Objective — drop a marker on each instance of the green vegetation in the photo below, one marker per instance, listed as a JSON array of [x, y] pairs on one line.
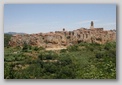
[[81, 61], [6, 39]]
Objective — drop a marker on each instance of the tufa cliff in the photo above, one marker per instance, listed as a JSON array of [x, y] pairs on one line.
[[64, 38]]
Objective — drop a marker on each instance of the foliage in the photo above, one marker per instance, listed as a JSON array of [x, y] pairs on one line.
[[80, 61], [7, 38]]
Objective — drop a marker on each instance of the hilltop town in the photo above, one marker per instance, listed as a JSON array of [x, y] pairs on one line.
[[78, 54], [65, 38]]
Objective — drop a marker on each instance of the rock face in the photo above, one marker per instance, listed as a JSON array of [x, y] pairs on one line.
[[64, 38]]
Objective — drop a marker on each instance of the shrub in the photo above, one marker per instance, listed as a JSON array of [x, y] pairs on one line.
[[51, 68], [73, 48], [48, 55], [63, 50], [65, 60], [99, 54], [36, 48], [10, 59], [7, 38]]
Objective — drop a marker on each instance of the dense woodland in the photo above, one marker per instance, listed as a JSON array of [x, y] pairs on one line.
[[80, 61]]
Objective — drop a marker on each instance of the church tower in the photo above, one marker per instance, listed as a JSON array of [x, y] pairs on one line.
[[92, 25], [63, 29]]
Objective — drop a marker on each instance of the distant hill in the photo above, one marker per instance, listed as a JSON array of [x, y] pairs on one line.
[[13, 33]]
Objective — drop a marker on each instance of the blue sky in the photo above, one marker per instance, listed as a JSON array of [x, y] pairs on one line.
[[35, 18]]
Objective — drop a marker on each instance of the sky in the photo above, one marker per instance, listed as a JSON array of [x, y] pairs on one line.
[[36, 18]]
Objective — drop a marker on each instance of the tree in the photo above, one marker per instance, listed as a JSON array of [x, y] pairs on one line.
[[7, 38]]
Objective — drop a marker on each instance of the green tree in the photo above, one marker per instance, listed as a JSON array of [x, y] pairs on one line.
[[7, 38]]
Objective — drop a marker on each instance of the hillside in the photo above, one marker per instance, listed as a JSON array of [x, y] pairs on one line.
[[80, 61]]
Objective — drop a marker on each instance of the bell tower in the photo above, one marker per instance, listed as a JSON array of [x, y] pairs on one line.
[[92, 25], [63, 29]]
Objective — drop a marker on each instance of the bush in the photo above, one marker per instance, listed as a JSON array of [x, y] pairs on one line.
[[51, 68], [63, 50], [110, 45], [19, 58], [73, 48], [9, 59], [65, 60], [7, 38], [99, 54], [36, 48], [48, 55]]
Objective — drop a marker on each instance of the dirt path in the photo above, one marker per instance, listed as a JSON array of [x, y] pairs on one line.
[[59, 48]]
